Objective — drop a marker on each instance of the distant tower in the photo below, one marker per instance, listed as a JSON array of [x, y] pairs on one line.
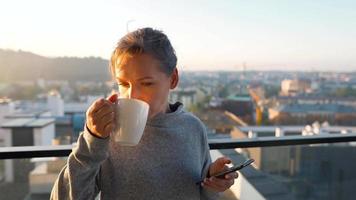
[[243, 75], [55, 103], [41, 82]]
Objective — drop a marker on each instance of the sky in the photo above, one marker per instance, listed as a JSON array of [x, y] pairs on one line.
[[207, 35]]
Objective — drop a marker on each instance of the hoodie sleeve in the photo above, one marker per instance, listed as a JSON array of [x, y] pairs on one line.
[[79, 177], [206, 194]]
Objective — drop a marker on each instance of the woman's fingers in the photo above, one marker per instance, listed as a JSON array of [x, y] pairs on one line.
[[211, 186], [103, 122], [221, 183], [113, 98], [95, 106], [109, 127], [218, 184], [98, 105], [100, 117], [220, 162], [103, 112], [102, 107], [219, 165], [232, 175]]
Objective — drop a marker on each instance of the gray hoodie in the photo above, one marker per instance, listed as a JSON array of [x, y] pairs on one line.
[[172, 156]]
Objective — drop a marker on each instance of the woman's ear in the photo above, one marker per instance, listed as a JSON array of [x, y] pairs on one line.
[[174, 79]]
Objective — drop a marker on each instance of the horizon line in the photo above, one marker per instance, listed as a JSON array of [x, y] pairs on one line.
[[194, 68]]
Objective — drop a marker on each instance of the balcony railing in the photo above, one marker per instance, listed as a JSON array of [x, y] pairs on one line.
[[35, 177], [65, 150]]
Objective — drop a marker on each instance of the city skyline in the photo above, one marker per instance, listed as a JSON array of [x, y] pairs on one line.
[[207, 35]]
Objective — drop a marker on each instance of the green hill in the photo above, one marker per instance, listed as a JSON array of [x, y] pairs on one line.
[[25, 66]]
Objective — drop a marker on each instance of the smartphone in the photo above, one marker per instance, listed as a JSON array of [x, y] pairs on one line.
[[231, 169]]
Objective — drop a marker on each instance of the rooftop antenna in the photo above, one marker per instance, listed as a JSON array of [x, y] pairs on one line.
[[244, 67], [127, 24]]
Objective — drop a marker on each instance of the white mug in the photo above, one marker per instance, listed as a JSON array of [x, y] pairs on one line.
[[130, 121]]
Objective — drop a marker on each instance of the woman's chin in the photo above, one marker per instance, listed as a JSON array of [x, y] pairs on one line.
[[150, 116]]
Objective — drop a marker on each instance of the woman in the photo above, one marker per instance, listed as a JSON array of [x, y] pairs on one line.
[[173, 154]]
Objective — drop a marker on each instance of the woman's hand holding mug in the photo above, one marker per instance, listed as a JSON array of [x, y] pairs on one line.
[[100, 116]]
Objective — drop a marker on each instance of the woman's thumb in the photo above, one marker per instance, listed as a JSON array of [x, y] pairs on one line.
[[223, 160], [113, 98]]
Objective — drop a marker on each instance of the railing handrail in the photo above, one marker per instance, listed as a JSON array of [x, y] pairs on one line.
[[65, 150], [280, 141]]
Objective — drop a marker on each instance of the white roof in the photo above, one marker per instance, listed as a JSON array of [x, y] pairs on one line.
[[28, 122]]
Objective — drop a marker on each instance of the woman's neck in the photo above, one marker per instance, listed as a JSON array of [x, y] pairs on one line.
[[168, 109]]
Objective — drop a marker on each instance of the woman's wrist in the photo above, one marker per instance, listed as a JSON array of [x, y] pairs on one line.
[[93, 134]]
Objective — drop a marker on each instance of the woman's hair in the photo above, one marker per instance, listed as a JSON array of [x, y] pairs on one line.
[[146, 41]]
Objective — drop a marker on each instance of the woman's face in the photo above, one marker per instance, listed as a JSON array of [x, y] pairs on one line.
[[139, 77]]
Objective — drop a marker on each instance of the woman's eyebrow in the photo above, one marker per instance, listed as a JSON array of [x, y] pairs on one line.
[[144, 78], [119, 79], [139, 79]]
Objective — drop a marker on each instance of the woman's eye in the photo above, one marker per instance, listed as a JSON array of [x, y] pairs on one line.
[[147, 84], [123, 85]]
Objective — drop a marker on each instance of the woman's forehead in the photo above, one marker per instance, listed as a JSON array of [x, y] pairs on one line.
[[137, 65]]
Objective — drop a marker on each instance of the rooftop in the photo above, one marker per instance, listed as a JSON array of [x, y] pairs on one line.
[[239, 97], [28, 113], [75, 107], [315, 97], [320, 108], [5, 101], [28, 122]]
